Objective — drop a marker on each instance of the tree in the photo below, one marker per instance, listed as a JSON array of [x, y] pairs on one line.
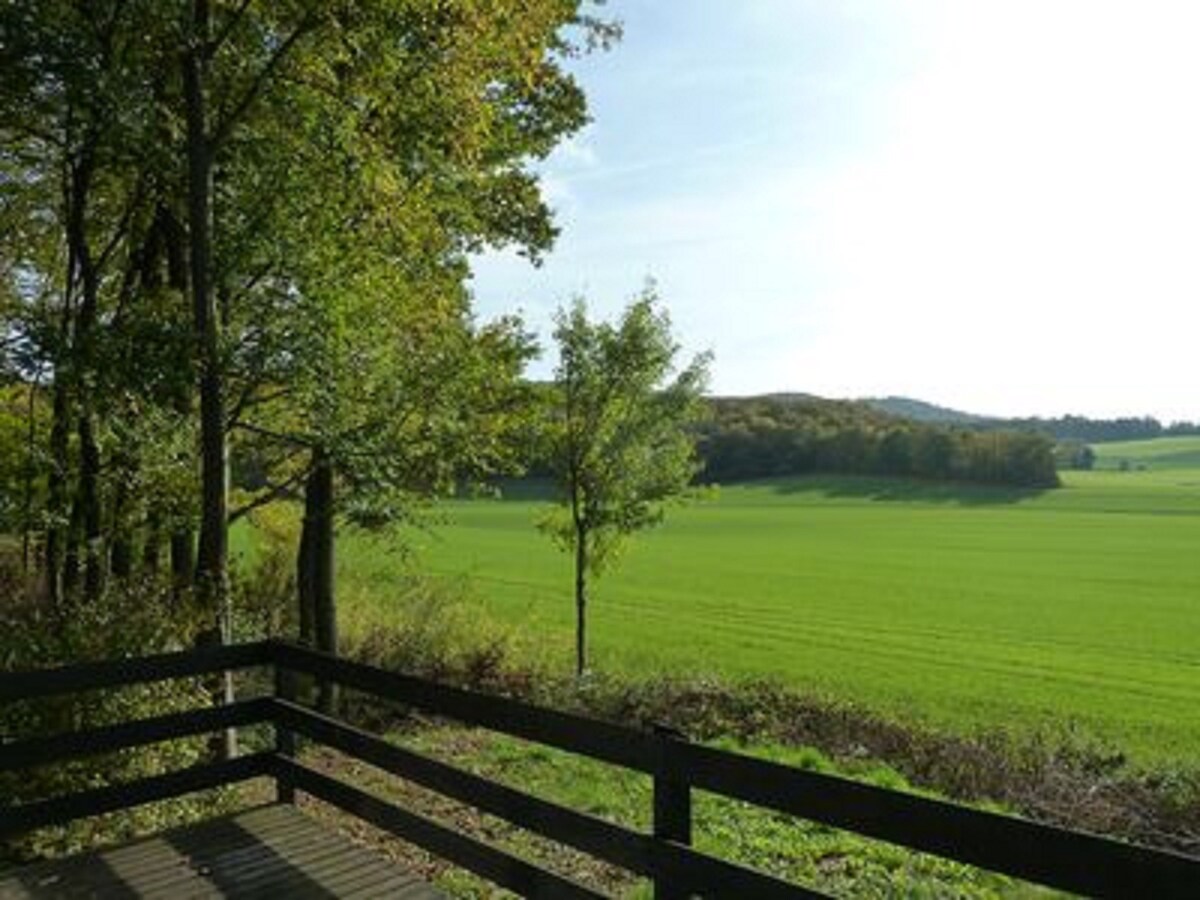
[[211, 139], [232, 217], [620, 443]]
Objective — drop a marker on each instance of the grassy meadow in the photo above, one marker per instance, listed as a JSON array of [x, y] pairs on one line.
[[1073, 610]]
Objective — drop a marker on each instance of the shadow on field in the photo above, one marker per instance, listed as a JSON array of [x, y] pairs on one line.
[[908, 490]]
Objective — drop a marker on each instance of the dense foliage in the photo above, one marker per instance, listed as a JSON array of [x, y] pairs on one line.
[[34, 634], [235, 231], [771, 436]]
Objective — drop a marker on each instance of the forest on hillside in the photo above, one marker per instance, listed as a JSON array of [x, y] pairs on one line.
[[780, 435], [1061, 428]]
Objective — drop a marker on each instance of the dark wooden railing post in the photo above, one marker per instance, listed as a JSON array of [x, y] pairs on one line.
[[285, 738], [672, 808]]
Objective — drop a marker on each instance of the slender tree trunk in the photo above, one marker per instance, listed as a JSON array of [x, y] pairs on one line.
[[56, 492], [121, 546], [580, 601], [60, 466], [304, 567], [212, 563], [70, 570], [121, 556], [183, 538], [321, 548], [152, 545], [30, 473], [87, 279], [89, 507], [183, 562]]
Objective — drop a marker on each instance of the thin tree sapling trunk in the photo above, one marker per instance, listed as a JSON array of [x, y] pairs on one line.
[[580, 601]]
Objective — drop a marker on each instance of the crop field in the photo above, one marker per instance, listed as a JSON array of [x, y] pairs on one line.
[[1074, 610]]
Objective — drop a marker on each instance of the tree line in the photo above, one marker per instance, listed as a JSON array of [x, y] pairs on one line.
[[1068, 428], [1083, 429], [784, 435]]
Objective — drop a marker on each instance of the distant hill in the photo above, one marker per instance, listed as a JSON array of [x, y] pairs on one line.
[[920, 411], [1061, 428]]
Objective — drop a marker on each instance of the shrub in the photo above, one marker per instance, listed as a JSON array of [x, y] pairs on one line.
[[127, 620]]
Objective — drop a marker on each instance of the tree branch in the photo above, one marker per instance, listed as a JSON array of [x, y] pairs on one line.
[[295, 439], [122, 225], [225, 127], [274, 492], [214, 46], [247, 400]]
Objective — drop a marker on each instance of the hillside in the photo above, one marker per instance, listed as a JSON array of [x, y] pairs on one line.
[[921, 411], [1166, 453], [781, 435], [1060, 428]]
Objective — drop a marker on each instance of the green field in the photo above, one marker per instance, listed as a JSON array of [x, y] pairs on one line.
[[965, 608]]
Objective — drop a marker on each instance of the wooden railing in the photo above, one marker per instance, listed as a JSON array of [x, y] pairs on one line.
[[1050, 856]]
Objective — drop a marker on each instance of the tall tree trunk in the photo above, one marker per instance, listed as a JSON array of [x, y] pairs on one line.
[[580, 600], [304, 566], [183, 562], [60, 441], [152, 545], [56, 491], [212, 562], [89, 507], [170, 231], [183, 536], [70, 570], [321, 549], [121, 545], [30, 472], [87, 280]]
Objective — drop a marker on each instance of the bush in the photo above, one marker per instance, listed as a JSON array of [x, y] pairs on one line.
[[129, 620], [436, 629]]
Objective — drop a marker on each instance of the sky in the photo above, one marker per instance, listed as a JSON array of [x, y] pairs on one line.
[[993, 206]]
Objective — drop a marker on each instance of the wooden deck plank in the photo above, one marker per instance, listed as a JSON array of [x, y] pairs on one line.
[[269, 852]]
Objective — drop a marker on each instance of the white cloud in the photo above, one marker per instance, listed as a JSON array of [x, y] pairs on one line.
[[575, 152]]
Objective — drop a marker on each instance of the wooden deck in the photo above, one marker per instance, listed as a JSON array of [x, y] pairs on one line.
[[272, 852]]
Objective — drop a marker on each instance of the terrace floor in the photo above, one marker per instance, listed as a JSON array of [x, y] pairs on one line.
[[270, 852]]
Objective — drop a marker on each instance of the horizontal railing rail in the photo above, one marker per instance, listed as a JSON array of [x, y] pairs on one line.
[[96, 801], [135, 670], [620, 846], [1036, 852], [578, 734], [1051, 856], [41, 750]]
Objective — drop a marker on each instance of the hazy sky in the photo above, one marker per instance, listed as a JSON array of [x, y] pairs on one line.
[[990, 205]]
